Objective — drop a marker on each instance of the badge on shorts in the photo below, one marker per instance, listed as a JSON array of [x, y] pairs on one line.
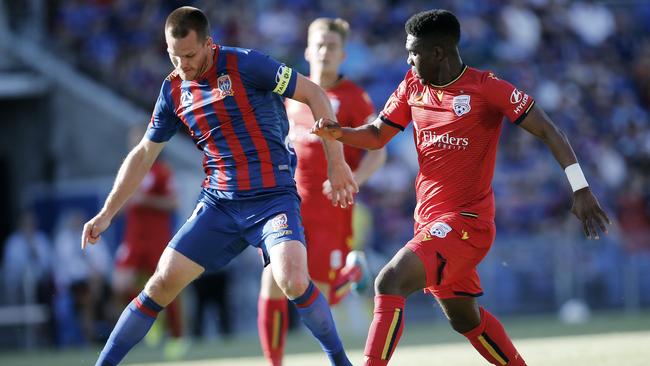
[[439, 229], [279, 222]]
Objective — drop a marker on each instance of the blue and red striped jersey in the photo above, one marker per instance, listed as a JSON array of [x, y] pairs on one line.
[[235, 114]]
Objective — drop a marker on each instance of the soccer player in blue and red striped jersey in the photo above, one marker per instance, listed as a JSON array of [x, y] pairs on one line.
[[456, 112], [230, 101]]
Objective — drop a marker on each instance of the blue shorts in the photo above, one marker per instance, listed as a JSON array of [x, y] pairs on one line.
[[219, 229]]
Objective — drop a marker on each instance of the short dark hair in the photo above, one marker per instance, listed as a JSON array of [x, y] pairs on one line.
[[185, 19], [437, 23]]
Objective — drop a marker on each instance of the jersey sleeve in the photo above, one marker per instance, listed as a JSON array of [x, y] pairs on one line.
[[164, 122], [364, 112], [503, 96], [397, 112], [263, 72]]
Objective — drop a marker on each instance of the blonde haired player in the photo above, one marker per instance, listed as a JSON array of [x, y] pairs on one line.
[[333, 267]]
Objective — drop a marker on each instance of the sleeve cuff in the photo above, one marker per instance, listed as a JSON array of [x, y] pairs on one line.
[[390, 123], [523, 115]]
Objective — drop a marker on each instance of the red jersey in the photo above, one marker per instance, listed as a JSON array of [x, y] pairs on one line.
[[456, 132], [146, 226], [352, 107]]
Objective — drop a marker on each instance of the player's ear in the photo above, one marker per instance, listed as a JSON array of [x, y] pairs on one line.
[[307, 54], [209, 42], [438, 52]]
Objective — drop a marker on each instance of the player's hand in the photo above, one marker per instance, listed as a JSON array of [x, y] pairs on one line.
[[342, 185], [327, 129], [93, 229], [588, 211], [327, 189]]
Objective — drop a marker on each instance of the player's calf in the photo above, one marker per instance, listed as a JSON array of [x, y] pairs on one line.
[[490, 339]]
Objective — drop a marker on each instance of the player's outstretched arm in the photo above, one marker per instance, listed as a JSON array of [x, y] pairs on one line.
[[372, 136], [133, 169], [369, 164], [585, 205], [339, 173]]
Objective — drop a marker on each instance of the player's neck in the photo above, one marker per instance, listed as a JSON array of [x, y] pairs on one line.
[[450, 70], [324, 79], [208, 64]]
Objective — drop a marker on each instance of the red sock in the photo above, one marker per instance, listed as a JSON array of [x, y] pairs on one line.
[[341, 286], [385, 330], [492, 342], [272, 324], [173, 318]]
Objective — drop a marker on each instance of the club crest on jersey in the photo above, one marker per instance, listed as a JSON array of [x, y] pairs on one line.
[[224, 87], [439, 229], [461, 104], [186, 98]]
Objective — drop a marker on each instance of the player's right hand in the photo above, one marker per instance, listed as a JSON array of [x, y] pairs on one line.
[[325, 128], [93, 229], [342, 186]]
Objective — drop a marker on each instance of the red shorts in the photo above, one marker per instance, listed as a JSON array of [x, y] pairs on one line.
[[139, 256], [450, 247], [328, 232]]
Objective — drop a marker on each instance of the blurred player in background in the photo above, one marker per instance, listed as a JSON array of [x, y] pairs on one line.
[[328, 229], [457, 112], [230, 101], [151, 206]]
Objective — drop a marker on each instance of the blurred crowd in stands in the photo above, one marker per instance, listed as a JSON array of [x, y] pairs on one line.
[[587, 63]]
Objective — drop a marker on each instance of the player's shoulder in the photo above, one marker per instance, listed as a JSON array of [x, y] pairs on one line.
[[348, 84], [349, 87], [478, 80], [171, 77], [245, 56], [482, 76], [239, 51], [410, 77], [410, 84]]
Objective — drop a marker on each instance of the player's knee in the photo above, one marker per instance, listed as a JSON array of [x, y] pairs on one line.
[[161, 288], [388, 282], [463, 323], [293, 285]]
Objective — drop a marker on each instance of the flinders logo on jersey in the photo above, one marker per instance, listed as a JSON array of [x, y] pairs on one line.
[[445, 141]]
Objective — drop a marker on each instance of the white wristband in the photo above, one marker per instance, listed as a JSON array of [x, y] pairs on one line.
[[576, 177]]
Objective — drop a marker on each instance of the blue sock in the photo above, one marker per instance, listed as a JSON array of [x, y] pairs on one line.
[[315, 313], [134, 323]]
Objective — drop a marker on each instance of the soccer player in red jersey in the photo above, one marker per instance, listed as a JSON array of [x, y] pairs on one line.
[[456, 112], [151, 206], [328, 229]]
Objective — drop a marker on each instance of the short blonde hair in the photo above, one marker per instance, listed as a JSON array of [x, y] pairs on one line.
[[336, 25]]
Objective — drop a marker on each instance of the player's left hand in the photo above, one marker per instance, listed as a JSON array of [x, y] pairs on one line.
[[588, 211], [327, 129], [342, 184]]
